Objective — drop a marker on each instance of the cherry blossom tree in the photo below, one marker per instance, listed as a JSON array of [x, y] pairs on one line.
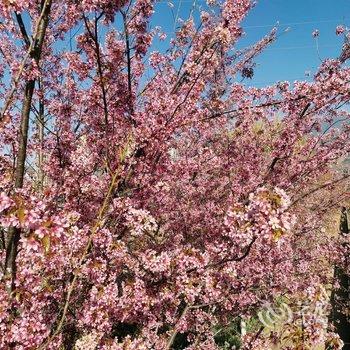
[[149, 198]]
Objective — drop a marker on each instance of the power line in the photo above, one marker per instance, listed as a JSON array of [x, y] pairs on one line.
[[296, 23], [282, 24], [301, 47]]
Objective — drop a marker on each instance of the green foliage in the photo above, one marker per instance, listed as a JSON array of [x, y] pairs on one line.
[[229, 337]]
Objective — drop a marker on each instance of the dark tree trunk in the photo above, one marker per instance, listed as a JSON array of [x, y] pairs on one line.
[[35, 53]]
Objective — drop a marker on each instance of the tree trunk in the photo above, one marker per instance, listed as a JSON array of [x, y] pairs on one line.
[[14, 233], [41, 126]]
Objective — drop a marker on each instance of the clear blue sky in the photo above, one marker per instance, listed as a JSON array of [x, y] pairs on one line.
[[295, 52]]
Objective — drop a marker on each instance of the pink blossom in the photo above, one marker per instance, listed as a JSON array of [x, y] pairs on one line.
[[315, 33], [339, 30]]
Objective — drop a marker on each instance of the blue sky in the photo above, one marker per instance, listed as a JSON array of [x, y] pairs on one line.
[[295, 52]]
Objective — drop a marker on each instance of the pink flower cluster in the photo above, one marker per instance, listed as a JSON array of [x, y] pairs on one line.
[[161, 199]]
